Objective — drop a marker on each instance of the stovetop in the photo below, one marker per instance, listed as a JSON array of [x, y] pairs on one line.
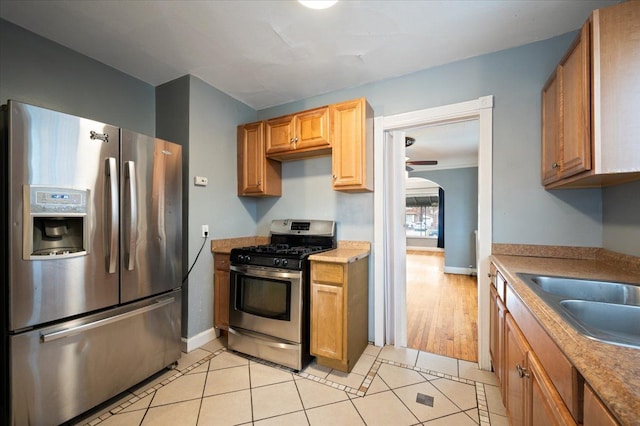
[[292, 241], [275, 255]]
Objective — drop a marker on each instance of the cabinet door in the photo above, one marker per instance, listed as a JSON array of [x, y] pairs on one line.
[[496, 342], [515, 371], [312, 129], [250, 158], [221, 291], [550, 130], [221, 299], [349, 158], [257, 175], [279, 134], [575, 107], [595, 412], [327, 321], [546, 407]]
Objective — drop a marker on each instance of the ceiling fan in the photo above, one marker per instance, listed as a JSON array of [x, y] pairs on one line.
[[408, 141]]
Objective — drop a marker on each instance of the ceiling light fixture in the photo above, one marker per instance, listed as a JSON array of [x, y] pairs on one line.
[[318, 4]]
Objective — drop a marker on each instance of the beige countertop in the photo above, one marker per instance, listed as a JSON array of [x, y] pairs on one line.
[[346, 252], [224, 246], [612, 371]]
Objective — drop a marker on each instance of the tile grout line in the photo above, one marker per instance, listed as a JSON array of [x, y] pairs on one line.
[[483, 412], [151, 390]]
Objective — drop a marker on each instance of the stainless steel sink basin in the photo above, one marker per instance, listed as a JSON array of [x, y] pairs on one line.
[[601, 310], [596, 291], [606, 321]]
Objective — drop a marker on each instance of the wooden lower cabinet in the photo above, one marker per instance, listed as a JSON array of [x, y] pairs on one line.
[[221, 291], [328, 321], [496, 343], [546, 407], [515, 368], [339, 312], [531, 398], [595, 412]]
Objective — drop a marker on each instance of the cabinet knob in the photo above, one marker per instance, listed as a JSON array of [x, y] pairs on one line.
[[259, 182], [522, 372], [295, 139], [555, 165], [291, 140], [490, 275], [334, 177]]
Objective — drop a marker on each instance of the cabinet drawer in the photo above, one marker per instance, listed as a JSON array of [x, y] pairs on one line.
[[327, 272], [221, 262], [501, 284]]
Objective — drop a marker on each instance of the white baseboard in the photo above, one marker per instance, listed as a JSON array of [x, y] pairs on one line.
[[460, 271], [191, 343], [421, 248]]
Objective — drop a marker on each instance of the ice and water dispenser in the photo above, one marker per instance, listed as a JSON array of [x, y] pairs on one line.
[[55, 222]]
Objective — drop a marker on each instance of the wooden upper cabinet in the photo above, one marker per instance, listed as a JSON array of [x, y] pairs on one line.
[[257, 175], [352, 136], [301, 135], [566, 112], [550, 130], [590, 129]]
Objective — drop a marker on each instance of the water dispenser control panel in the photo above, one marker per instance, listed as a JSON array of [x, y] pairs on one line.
[[55, 222]]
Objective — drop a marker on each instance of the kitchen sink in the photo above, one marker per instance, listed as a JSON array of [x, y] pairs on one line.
[[602, 310], [596, 291], [606, 321]]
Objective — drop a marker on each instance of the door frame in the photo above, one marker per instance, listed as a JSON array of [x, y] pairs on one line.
[[482, 110]]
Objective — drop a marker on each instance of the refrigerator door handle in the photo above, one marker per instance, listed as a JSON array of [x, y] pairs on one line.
[[114, 222], [130, 175], [50, 337]]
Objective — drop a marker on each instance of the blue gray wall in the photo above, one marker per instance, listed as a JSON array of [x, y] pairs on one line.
[[204, 120], [40, 72], [523, 212], [460, 213], [621, 218]]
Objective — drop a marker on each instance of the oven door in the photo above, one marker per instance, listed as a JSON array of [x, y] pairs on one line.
[[266, 300]]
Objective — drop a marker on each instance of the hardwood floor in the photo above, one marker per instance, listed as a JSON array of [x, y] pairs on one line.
[[442, 309]]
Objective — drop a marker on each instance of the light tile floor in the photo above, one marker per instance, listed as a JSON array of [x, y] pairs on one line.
[[213, 386]]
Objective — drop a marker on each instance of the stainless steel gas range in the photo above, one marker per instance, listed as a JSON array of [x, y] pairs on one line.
[[269, 292]]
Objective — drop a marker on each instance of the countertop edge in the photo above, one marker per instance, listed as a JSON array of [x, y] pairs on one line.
[[612, 371]]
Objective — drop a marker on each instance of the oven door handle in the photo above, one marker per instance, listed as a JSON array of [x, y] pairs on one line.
[[263, 340], [265, 272]]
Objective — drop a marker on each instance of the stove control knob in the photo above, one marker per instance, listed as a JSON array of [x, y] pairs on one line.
[[240, 258], [247, 259], [276, 261], [285, 262]]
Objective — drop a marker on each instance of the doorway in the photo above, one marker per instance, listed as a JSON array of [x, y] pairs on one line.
[[390, 247]]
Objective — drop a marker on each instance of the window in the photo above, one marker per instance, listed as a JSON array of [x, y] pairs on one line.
[[422, 216]]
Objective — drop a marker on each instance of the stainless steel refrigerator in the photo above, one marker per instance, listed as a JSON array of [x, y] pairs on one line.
[[92, 262]]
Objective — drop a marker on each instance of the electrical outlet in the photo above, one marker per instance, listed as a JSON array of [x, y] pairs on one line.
[[200, 181], [205, 231]]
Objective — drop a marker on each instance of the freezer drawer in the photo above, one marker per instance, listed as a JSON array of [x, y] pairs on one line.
[[62, 371]]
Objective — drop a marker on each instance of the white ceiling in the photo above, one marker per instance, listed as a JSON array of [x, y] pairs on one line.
[[267, 53], [453, 145]]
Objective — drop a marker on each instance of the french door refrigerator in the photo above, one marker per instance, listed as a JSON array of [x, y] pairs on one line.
[[91, 262]]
